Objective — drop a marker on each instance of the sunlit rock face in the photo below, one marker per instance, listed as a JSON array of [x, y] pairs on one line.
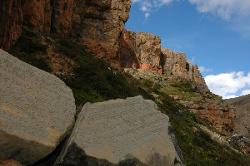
[[36, 111], [98, 25], [141, 51], [176, 65]]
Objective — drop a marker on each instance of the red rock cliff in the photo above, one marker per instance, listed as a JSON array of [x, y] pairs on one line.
[[98, 25], [176, 65], [10, 22], [47, 16], [141, 51]]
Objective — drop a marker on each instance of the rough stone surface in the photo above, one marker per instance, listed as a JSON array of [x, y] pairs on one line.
[[242, 121], [37, 15], [140, 50], [10, 163], [44, 16], [218, 116], [119, 130], [36, 111], [10, 22], [143, 51], [98, 25], [48, 16], [176, 65]]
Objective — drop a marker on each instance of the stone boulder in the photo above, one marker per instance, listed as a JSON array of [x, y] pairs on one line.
[[36, 111], [119, 131]]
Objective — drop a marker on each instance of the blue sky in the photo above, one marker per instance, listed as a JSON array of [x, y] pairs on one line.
[[215, 34]]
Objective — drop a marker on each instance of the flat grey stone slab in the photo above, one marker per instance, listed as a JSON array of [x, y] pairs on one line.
[[119, 130], [36, 110]]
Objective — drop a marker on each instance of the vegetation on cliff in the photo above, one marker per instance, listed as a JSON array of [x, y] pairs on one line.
[[94, 80]]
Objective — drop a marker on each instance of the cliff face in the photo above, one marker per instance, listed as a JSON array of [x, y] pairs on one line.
[[242, 125], [42, 16], [48, 16], [176, 65], [96, 24], [99, 25], [141, 51], [242, 105], [10, 22]]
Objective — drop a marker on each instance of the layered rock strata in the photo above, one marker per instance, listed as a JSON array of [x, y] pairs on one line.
[[36, 111], [143, 51], [118, 130], [98, 25], [176, 65], [140, 50], [10, 22], [41, 16], [241, 137], [242, 120]]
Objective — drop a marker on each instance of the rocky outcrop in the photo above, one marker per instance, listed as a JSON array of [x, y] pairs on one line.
[[41, 16], [117, 131], [36, 111], [241, 139], [10, 22], [98, 25], [48, 16], [242, 120], [141, 51], [219, 117], [176, 65]]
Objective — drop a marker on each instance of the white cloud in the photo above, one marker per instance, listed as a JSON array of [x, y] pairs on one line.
[[245, 92], [235, 12], [229, 85], [223, 8], [205, 70], [148, 6]]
